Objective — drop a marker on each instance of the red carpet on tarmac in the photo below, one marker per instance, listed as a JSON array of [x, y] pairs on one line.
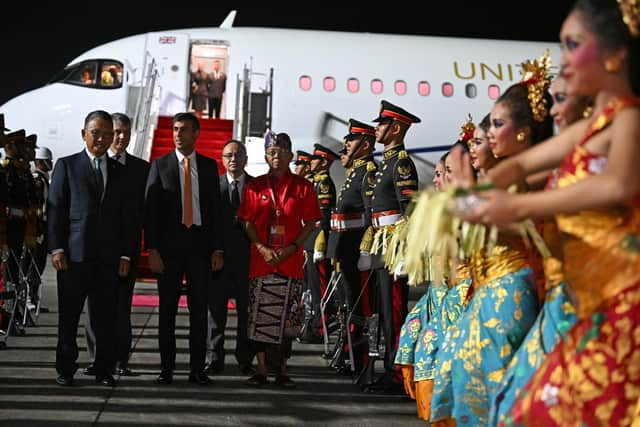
[[153, 300]]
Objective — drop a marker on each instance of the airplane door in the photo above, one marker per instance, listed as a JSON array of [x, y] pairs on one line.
[[253, 103], [171, 53]]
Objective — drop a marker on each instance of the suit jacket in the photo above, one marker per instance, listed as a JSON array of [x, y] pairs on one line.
[[236, 242], [217, 86], [86, 227], [136, 173], [163, 204]]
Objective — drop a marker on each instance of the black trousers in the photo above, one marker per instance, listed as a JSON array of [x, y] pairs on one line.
[[393, 296], [96, 281], [214, 105], [16, 228], [184, 258], [230, 283], [122, 323]]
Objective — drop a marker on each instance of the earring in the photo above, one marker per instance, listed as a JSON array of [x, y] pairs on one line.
[[587, 112], [611, 66], [520, 136]]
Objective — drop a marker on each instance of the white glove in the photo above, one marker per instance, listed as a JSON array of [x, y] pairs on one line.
[[399, 271], [318, 256], [364, 262]]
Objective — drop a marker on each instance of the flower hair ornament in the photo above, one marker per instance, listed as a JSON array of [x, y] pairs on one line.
[[631, 15], [535, 75], [466, 133]]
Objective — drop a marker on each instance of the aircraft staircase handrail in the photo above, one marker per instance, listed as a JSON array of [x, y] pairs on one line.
[[144, 121]]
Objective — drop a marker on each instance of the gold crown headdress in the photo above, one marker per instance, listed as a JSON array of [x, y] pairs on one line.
[[631, 15], [535, 75], [467, 129]]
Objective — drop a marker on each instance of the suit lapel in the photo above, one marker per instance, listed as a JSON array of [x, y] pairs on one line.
[[224, 187], [173, 171]]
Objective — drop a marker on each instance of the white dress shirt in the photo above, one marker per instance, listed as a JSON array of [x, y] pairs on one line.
[[103, 167], [195, 187], [241, 183], [122, 160]]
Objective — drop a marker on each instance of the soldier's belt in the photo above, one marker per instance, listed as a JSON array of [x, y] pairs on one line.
[[385, 218], [348, 221], [16, 212]]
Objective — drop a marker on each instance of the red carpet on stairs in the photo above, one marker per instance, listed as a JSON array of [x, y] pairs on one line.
[[213, 135]]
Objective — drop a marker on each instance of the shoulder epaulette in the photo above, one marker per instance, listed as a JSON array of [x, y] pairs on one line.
[[4, 163], [320, 177], [403, 154], [371, 166]]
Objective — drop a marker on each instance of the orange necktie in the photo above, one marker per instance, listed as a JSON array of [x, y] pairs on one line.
[[188, 208]]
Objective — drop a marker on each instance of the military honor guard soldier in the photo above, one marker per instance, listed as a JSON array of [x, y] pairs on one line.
[[395, 182], [349, 221], [317, 267]]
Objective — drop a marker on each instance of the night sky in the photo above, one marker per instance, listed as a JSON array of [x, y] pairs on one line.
[[35, 43]]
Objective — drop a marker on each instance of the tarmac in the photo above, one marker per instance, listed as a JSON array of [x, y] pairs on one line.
[[29, 395]]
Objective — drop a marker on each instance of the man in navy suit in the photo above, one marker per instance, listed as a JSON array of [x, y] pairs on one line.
[[233, 280], [136, 171], [91, 244], [183, 234]]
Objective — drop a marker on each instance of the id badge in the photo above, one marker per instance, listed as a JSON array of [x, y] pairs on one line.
[[276, 236]]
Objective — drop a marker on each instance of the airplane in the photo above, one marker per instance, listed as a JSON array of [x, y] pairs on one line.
[[307, 83]]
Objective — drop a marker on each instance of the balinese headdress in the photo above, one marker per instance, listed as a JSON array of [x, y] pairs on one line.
[[535, 75], [631, 15], [270, 139], [467, 130]]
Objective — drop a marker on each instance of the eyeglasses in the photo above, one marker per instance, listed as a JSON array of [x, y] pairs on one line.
[[274, 153], [97, 134], [232, 155]]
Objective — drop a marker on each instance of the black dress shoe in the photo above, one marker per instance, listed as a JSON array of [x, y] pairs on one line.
[[64, 380], [165, 377], [213, 368], [90, 370], [125, 372], [106, 380], [199, 378], [247, 369]]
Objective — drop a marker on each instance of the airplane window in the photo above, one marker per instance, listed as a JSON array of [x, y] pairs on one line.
[[471, 90], [376, 86], [424, 88], [305, 83], [84, 75], [494, 92], [353, 85], [111, 74], [329, 84], [401, 87], [447, 89]]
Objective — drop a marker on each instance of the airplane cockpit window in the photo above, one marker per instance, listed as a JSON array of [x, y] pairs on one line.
[[494, 92], [305, 83], [400, 87], [99, 74], [329, 84], [470, 90], [447, 90], [353, 85], [424, 88], [376, 86], [111, 74]]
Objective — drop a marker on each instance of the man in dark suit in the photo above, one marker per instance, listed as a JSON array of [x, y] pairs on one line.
[[233, 280], [183, 234], [217, 86], [135, 171], [91, 244]]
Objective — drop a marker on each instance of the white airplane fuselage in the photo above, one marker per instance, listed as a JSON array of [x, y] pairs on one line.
[[475, 69]]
